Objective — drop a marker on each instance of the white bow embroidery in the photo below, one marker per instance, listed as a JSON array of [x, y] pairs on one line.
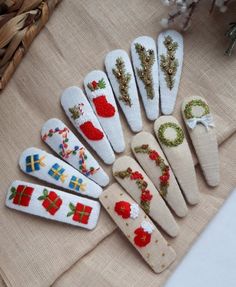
[[206, 120]]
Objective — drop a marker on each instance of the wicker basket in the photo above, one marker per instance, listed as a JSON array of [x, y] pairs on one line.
[[20, 22]]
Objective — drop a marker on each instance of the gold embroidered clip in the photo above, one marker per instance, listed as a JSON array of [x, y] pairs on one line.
[[123, 79], [169, 63]]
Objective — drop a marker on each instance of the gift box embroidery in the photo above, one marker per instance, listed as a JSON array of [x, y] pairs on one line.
[[21, 195], [51, 201], [33, 162], [80, 212], [77, 184], [57, 172]]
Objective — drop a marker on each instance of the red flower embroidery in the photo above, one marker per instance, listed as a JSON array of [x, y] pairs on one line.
[[153, 155], [123, 209], [142, 237], [21, 195], [94, 84], [136, 175], [51, 201], [146, 195]]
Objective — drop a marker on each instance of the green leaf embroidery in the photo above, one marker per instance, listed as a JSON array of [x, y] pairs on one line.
[[69, 213]]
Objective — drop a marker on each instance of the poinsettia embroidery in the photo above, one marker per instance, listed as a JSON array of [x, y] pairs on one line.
[[96, 85], [21, 195], [34, 162], [146, 195], [51, 201], [154, 155], [80, 212], [65, 151], [127, 210], [143, 234]]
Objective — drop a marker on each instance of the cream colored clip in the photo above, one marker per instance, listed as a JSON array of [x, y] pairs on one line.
[[201, 128], [138, 228], [144, 56], [150, 156], [172, 140], [133, 179], [121, 75], [53, 204]]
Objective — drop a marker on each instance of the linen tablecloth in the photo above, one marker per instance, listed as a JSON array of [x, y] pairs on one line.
[[36, 252]]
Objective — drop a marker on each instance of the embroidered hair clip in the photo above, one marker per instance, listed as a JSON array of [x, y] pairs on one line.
[[150, 156], [81, 114], [138, 228], [172, 140], [144, 56], [102, 100], [170, 58], [45, 166], [121, 75], [201, 128], [133, 179], [53, 204], [62, 140]]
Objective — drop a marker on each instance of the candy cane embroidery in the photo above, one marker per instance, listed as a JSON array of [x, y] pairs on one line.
[[143, 234], [153, 155], [77, 184], [65, 152], [169, 63], [51, 201], [21, 195], [80, 212], [94, 85], [123, 79], [127, 210], [146, 195], [57, 172], [147, 59], [33, 162], [171, 142]]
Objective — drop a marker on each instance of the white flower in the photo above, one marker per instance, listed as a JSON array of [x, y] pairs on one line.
[[164, 22], [134, 210], [147, 226]]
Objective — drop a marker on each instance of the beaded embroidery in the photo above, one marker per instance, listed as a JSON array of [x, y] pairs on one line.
[[153, 155], [169, 63], [123, 78], [94, 85], [65, 151], [194, 103], [147, 59], [168, 142], [146, 195]]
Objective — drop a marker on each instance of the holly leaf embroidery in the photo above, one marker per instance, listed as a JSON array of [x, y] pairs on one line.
[[70, 213], [13, 193], [102, 84]]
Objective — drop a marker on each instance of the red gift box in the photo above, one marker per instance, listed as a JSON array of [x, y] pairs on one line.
[[51, 201], [80, 212], [21, 195]]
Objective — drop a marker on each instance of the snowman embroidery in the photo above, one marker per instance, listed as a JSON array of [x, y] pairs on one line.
[[143, 234], [85, 124]]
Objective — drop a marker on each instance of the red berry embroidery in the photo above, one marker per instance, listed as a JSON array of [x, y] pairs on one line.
[[123, 209], [136, 175], [21, 195], [153, 155], [80, 212], [142, 237], [51, 201]]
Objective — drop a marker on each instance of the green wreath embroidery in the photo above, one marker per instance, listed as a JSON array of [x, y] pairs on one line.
[[179, 134], [194, 103]]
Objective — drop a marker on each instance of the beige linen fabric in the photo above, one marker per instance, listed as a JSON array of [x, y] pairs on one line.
[[35, 252]]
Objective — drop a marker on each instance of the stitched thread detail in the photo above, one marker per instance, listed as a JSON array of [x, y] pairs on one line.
[[76, 111], [123, 79], [80, 212], [51, 201], [147, 59], [33, 162], [146, 195], [153, 155], [21, 195], [57, 172], [65, 151], [94, 85], [168, 62], [77, 184], [143, 234], [168, 142], [194, 103]]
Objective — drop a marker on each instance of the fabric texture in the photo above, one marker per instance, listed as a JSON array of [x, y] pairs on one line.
[[74, 42]]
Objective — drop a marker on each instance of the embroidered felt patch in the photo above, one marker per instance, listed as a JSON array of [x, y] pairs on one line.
[[58, 172], [171, 142], [121, 76], [33, 162], [52, 204], [62, 140], [81, 114], [139, 230]]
